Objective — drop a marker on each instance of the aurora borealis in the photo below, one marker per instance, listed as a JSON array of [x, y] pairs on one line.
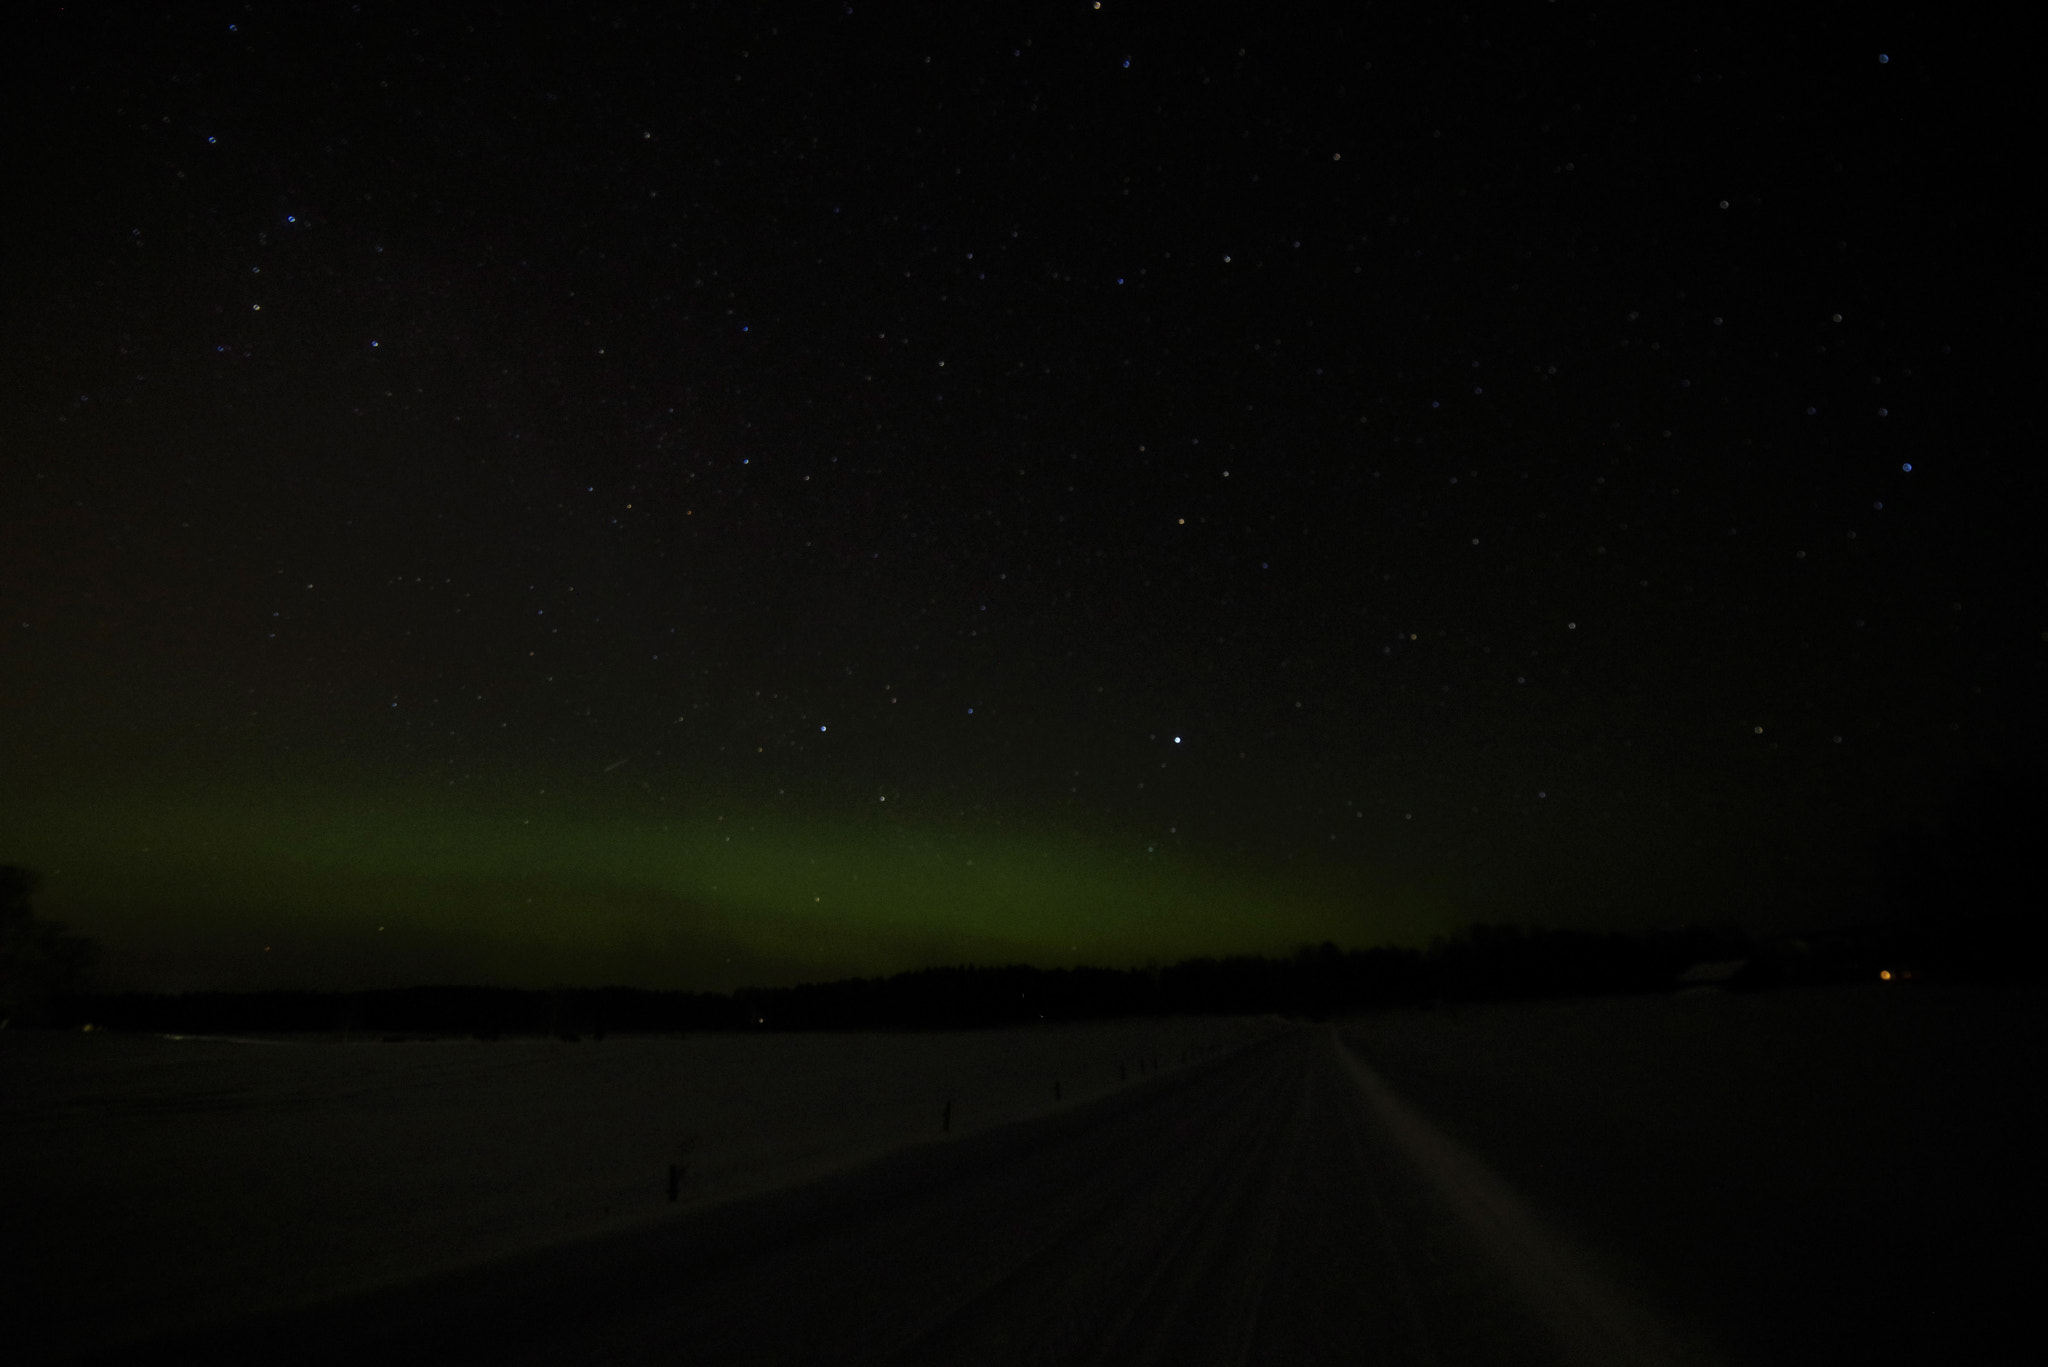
[[758, 494], [400, 886]]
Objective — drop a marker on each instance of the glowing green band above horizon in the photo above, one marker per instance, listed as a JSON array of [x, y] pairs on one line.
[[397, 884]]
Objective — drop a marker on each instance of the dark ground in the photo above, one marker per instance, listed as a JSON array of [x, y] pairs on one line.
[[1844, 1174], [1835, 1175]]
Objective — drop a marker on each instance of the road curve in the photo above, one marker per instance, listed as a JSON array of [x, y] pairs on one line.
[[1279, 1205]]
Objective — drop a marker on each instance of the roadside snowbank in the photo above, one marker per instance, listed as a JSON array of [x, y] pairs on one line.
[[156, 1182]]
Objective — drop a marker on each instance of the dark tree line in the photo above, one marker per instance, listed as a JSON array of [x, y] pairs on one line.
[[1482, 963], [1969, 895], [1968, 902]]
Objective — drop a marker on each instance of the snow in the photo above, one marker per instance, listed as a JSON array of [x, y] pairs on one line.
[[161, 1182], [1824, 1174]]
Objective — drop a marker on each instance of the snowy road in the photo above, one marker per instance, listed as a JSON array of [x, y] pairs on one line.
[[1830, 1176], [1275, 1206]]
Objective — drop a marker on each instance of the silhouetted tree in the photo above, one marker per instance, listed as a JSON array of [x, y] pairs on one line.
[[1973, 894], [39, 959]]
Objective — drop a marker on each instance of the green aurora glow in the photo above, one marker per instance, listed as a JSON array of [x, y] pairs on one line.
[[622, 527], [376, 887]]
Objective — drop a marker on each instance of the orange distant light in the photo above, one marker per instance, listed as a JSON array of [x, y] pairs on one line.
[[1885, 973]]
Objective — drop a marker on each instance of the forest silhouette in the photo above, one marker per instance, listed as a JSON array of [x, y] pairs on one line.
[[1964, 901]]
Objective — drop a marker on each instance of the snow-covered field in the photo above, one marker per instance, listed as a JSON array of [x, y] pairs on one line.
[[1833, 1174], [153, 1182], [1778, 1172]]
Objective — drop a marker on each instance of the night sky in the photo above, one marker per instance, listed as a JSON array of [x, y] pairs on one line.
[[694, 496]]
